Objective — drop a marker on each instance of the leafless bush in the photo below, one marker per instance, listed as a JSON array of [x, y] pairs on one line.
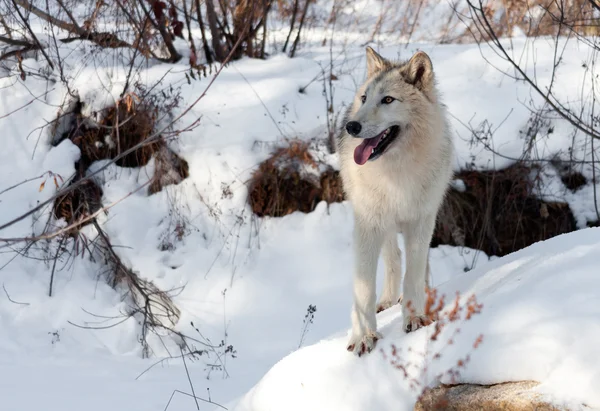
[[149, 27], [567, 21], [137, 128], [537, 17]]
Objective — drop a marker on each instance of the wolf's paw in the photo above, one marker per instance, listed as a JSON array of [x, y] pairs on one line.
[[414, 322], [362, 344], [384, 304]]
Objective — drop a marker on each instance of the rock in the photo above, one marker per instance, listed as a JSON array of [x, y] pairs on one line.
[[511, 396]]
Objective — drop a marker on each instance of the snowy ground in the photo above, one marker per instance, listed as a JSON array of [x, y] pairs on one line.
[[249, 282], [540, 321]]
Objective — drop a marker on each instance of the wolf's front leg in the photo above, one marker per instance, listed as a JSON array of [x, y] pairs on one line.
[[417, 238], [367, 246]]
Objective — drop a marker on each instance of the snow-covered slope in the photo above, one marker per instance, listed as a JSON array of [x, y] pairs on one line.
[[540, 321]]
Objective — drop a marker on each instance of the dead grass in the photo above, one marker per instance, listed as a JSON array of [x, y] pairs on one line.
[[443, 318], [498, 213], [283, 183], [119, 129], [78, 204]]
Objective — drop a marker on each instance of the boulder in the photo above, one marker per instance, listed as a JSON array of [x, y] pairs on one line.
[[511, 396]]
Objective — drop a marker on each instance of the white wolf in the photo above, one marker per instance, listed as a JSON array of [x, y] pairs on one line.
[[396, 164]]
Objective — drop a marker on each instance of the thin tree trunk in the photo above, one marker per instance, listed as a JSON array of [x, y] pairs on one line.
[[211, 16], [263, 21], [297, 40], [264, 38], [188, 22], [292, 24], [207, 53], [159, 25]]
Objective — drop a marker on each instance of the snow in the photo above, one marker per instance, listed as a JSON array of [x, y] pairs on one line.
[[540, 321], [249, 281]]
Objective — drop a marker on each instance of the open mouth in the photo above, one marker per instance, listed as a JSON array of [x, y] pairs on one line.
[[372, 148]]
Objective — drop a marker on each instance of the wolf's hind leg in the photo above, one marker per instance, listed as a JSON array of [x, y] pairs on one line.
[[392, 258], [417, 238]]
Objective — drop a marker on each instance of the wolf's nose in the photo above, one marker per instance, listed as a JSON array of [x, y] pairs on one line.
[[353, 127]]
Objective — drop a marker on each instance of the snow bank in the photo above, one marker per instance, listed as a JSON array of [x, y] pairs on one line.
[[540, 321]]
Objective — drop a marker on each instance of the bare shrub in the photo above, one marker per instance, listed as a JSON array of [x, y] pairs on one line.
[[236, 27], [154, 308], [539, 17], [567, 21]]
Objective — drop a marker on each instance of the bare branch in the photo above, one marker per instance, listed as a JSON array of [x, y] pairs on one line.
[[150, 140], [10, 299], [483, 25], [26, 23]]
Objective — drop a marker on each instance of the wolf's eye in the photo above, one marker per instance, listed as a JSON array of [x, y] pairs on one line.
[[387, 100], [363, 99]]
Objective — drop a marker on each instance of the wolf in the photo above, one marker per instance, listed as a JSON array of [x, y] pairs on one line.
[[396, 153]]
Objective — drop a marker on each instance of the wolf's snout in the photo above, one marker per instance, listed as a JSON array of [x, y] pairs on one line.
[[353, 127]]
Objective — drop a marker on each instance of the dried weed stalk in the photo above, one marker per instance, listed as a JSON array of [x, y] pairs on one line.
[[441, 318]]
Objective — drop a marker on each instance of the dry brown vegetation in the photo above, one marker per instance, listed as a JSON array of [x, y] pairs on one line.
[[497, 213], [447, 320], [121, 128], [282, 185], [539, 17], [124, 133]]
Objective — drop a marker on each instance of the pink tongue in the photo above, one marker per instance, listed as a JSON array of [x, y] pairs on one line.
[[364, 150]]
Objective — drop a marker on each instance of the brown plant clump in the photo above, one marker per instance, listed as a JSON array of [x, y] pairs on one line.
[[122, 127], [78, 205], [281, 184], [498, 212]]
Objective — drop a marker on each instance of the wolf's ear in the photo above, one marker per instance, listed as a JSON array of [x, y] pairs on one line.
[[375, 62], [419, 71]]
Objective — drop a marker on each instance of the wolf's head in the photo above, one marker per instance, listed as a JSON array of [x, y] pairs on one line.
[[392, 99]]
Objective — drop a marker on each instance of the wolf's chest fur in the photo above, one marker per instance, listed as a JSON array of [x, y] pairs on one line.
[[386, 191]]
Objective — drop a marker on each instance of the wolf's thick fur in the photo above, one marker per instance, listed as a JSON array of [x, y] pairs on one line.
[[400, 191]]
